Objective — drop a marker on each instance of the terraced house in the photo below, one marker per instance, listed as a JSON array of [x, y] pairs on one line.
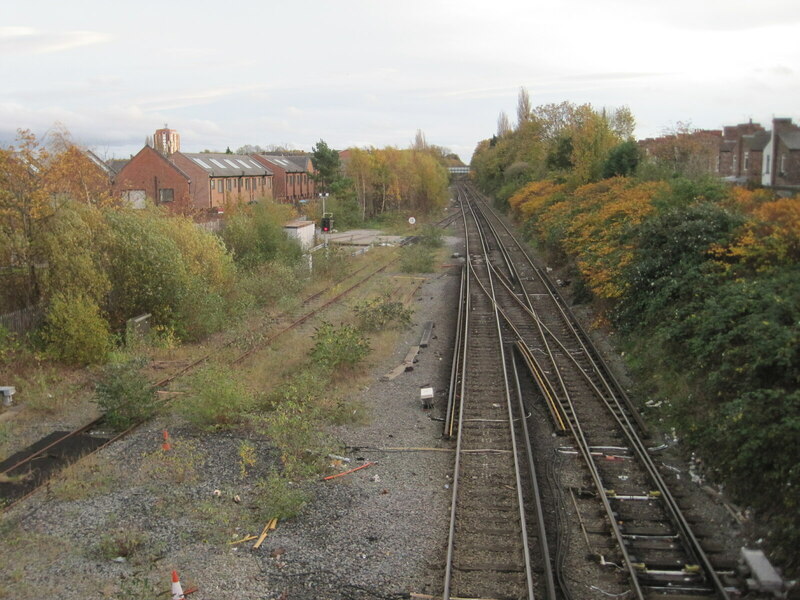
[[293, 176]]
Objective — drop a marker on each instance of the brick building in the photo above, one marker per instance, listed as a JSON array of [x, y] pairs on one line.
[[743, 153], [192, 183], [780, 167], [293, 176]]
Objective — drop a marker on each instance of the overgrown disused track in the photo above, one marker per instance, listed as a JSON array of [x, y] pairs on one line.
[[28, 470], [607, 496]]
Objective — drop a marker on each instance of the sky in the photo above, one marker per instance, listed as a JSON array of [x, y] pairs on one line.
[[371, 73]]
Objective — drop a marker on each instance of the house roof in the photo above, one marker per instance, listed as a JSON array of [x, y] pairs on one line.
[[791, 139], [757, 141], [290, 164], [116, 164], [227, 165], [101, 164]]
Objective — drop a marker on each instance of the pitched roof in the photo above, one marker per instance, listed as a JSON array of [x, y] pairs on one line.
[[227, 165], [116, 164], [287, 163], [756, 141], [101, 164], [791, 139]]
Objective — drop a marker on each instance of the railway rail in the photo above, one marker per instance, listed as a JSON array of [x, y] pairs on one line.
[[611, 495]]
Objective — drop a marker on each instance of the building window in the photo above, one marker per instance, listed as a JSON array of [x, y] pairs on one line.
[[219, 185], [247, 184], [768, 160], [230, 185], [166, 195], [746, 160], [783, 165]]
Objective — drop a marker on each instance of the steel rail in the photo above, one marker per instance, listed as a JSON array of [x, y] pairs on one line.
[[691, 545], [610, 382], [459, 451]]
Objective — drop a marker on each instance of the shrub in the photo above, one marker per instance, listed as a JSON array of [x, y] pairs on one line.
[[382, 313], [332, 262], [276, 497], [431, 236], [294, 429], [416, 259], [342, 346], [255, 235], [75, 331], [216, 399], [125, 395]]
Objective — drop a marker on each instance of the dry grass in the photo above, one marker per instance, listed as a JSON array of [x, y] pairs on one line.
[[90, 476]]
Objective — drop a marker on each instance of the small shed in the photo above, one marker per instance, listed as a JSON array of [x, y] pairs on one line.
[[302, 231]]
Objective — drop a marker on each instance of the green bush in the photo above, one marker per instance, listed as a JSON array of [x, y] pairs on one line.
[[331, 263], [216, 399], [382, 313], [75, 331], [342, 346], [255, 235], [277, 497], [125, 395], [416, 258], [431, 236]]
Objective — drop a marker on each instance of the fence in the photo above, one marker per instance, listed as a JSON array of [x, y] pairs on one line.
[[23, 320]]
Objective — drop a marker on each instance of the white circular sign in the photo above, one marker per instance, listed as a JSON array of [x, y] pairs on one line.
[[411, 220]]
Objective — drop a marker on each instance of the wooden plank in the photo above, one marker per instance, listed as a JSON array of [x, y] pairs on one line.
[[427, 330]]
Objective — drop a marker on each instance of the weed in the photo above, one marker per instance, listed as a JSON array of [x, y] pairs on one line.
[[216, 400], [39, 392], [178, 465], [277, 497], [382, 313], [125, 542], [343, 346], [137, 587], [416, 259], [331, 263], [216, 518], [294, 429], [431, 236], [125, 395], [247, 458], [87, 477]]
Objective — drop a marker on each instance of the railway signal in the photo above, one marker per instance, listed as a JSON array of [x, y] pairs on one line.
[[326, 224]]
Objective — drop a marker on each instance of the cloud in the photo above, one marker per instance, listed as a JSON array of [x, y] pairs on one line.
[[26, 40]]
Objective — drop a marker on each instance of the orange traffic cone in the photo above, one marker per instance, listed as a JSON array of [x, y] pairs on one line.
[[165, 446], [177, 590]]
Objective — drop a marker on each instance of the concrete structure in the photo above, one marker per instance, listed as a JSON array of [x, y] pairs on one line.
[[302, 231]]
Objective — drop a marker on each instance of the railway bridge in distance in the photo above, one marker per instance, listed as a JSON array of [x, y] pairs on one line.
[[458, 170]]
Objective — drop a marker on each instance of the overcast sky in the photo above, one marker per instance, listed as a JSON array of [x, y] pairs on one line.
[[371, 72]]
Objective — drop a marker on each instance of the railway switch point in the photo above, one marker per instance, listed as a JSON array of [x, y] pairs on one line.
[[8, 392]]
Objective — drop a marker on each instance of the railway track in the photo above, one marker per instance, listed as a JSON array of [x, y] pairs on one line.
[[23, 473], [608, 495], [496, 529]]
